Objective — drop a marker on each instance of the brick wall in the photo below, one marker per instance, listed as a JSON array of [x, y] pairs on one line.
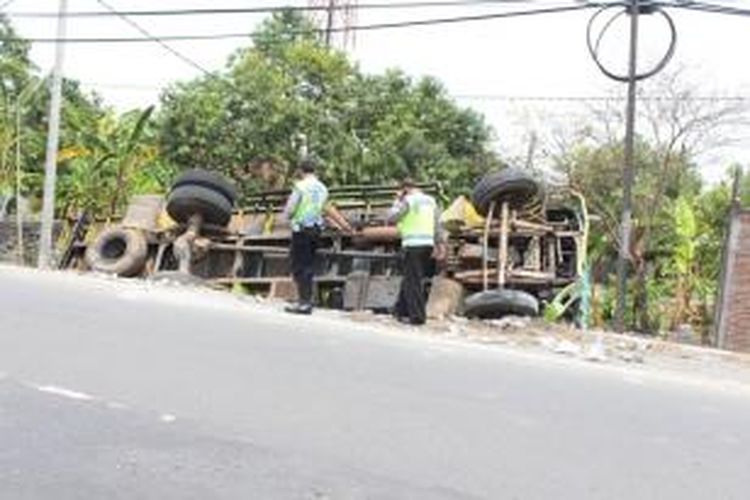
[[734, 322]]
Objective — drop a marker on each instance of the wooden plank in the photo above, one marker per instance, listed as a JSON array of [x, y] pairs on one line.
[[502, 244], [269, 281], [485, 246], [531, 226], [280, 251], [478, 274]]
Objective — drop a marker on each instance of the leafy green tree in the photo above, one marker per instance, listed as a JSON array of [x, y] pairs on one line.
[[15, 74], [289, 94], [591, 170], [674, 129]]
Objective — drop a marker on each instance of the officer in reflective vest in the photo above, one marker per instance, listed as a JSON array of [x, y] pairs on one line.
[[417, 217], [304, 211]]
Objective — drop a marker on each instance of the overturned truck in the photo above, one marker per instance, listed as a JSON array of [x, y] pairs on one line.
[[511, 247]]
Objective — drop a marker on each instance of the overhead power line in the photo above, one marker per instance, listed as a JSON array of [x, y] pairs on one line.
[[493, 97], [277, 8], [711, 8], [155, 39], [366, 27], [483, 97]]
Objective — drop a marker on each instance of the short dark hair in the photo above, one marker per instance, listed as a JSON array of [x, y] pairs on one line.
[[408, 183], [307, 165]]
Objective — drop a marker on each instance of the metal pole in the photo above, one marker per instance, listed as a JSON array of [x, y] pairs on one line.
[[628, 174], [329, 21], [19, 215], [53, 135]]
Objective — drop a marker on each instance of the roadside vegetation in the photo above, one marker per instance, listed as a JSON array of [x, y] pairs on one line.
[[288, 93]]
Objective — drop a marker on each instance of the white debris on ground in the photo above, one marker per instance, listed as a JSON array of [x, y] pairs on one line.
[[66, 393], [597, 346], [530, 334]]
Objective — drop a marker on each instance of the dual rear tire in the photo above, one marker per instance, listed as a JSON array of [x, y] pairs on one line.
[[204, 193]]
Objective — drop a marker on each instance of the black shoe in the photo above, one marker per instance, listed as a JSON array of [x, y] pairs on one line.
[[299, 309]]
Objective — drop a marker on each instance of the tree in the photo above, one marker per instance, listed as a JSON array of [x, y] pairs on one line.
[[15, 74], [116, 159], [289, 94], [675, 127]]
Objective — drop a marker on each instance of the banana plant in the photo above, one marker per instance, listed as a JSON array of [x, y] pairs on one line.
[[683, 258], [101, 167]]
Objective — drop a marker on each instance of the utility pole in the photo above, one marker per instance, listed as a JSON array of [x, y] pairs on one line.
[[19, 215], [628, 174], [53, 135], [330, 15]]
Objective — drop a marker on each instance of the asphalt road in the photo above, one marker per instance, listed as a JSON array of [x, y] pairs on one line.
[[122, 391]]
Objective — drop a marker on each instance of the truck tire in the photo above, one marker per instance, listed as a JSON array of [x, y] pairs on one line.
[[191, 199], [498, 303], [118, 251], [208, 179], [510, 185]]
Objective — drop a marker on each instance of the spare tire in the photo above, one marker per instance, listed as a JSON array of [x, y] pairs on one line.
[[511, 185], [208, 179], [118, 251], [498, 303], [191, 199]]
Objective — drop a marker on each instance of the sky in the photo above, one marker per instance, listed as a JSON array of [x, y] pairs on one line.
[[500, 67]]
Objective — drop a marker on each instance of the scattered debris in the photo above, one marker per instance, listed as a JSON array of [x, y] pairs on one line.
[[511, 322], [596, 351], [67, 393], [567, 347]]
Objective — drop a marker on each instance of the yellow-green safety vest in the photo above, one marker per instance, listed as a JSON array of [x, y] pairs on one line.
[[313, 196], [417, 226]]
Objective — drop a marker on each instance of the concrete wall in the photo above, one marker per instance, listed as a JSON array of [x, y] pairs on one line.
[[733, 330], [9, 242]]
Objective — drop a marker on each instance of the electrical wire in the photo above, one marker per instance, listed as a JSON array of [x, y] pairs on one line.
[[711, 8], [510, 98], [155, 39], [278, 8], [367, 27], [594, 47], [481, 97]]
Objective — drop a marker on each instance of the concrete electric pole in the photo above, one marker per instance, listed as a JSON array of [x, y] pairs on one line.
[[53, 135], [628, 174]]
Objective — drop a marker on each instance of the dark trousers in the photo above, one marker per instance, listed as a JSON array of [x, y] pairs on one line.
[[411, 297], [304, 245]]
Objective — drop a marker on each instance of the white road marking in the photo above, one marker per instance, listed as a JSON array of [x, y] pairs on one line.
[[67, 393], [167, 418]]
